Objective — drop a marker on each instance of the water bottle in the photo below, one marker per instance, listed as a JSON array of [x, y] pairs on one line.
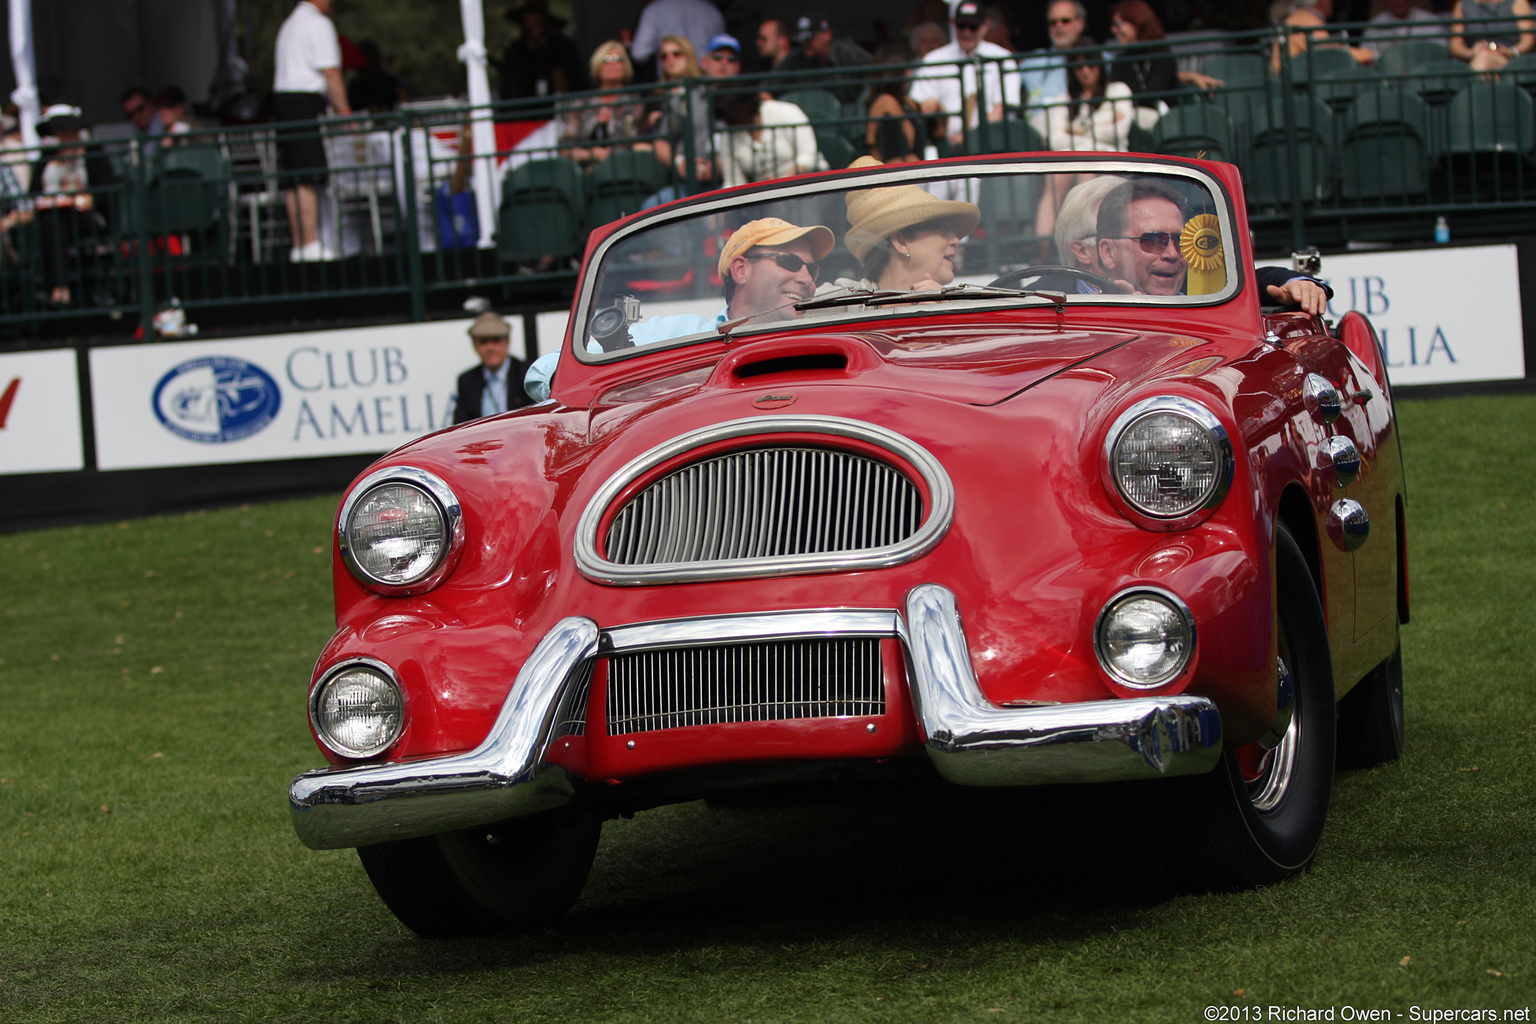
[[1442, 231]]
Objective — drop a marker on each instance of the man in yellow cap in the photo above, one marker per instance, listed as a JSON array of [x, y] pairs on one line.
[[496, 385], [766, 267]]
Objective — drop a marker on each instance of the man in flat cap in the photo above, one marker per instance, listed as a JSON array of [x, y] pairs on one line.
[[496, 385]]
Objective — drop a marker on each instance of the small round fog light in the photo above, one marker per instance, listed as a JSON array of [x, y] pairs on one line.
[[358, 710], [1144, 638]]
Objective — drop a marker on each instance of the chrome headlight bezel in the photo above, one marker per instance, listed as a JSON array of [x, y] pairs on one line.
[[327, 737], [1169, 600], [448, 509], [1196, 508]]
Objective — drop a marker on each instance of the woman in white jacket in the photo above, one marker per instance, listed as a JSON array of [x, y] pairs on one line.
[[1093, 115]]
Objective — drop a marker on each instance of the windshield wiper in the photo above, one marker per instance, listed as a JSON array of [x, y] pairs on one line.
[[891, 297], [965, 291], [847, 297]]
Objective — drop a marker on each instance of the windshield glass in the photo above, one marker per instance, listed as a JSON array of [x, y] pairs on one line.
[[908, 239]]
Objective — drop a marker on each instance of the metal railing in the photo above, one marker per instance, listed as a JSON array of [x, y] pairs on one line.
[[1333, 151]]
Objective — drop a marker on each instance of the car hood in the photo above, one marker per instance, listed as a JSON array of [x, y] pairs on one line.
[[971, 364]]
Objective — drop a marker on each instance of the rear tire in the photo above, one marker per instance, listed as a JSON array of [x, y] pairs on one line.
[[1371, 717], [514, 874], [1266, 809]]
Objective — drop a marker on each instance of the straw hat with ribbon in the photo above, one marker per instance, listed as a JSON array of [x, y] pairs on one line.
[[875, 214]]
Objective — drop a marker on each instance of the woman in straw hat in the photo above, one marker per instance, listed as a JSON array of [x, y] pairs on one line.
[[904, 237]]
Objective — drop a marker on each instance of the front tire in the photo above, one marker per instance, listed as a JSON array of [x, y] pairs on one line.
[[1267, 809], [511, 875]]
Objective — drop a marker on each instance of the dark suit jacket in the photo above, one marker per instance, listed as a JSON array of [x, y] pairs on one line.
[[472, 389]]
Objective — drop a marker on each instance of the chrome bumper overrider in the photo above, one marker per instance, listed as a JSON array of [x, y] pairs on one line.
[[969, 740]]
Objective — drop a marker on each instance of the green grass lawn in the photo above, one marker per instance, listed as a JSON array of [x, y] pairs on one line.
[[152, 685]]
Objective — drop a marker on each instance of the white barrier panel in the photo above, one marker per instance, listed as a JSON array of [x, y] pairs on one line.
[[1444, 316], [40, 413], [289, 396]]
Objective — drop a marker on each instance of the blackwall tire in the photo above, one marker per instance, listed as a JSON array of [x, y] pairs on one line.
[[1267, 811], [1371, 717], [512, 875]]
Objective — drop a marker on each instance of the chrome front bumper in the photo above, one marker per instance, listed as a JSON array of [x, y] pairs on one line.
[[969, 740]]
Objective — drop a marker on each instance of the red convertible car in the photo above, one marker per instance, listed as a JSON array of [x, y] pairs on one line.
[[1002, 471]]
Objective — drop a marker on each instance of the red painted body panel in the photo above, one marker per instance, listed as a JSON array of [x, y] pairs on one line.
[[1015, 404]]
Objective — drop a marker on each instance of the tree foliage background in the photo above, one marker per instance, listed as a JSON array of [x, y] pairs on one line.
[[419, 38]]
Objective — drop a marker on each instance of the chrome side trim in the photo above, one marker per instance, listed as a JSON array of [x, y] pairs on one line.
[[503, 777], [975, 743], [935, 526], [1339, 454], [1321, 398], [1349, 524], [453, 521]]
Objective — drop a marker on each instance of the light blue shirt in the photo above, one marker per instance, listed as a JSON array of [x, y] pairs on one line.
[[1043, 74], [493, 399], [648, 332]]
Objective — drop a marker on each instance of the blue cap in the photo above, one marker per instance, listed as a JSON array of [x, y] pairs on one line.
[[723, 41]]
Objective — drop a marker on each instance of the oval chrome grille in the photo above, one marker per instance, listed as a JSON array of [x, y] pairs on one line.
[[798, 494], [767, 503]]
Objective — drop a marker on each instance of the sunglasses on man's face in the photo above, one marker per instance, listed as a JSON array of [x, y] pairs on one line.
[[789, 262], [1154, 242], [728, 56], [1062, 21]]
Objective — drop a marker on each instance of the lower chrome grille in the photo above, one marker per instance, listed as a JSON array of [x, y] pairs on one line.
[[571, 715], [750, 682]]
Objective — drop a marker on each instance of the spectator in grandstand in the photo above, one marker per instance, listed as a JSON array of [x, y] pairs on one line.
[[947, 81], [1144, 62], [999, 27], [896, 132], [685, 109], [374, 87], [773, 42], [818, 48], [1093, 115], [1043, 73], [140, 111], [763, 139], [1304, 25], [171, 107], [904, 237], [496, 385], [542, 60], [1489, 35], [723, 58], [1399, 20], [925, 37], [307, 75], [699, 20], [68, 200], [590, 126]]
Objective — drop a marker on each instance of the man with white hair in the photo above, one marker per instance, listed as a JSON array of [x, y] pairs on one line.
[[1044, 72], [947, 82]]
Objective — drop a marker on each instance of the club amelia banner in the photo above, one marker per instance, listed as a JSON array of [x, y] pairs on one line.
[[289, 396], [40, 413], [1443, 316]]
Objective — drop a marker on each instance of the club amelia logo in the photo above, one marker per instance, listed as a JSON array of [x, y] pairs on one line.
[[216, 399]]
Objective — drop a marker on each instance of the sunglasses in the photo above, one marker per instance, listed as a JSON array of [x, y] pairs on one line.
[[789, 262], [612, 58], [1153, 242], [132, 111], [1061, 21], [500, 339], [670, 54], [969, 26], [730, 56]]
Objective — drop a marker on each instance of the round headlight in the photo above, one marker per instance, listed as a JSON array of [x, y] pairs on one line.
[[358, 711], [1169, 457], [1144, 638], [398, 528]]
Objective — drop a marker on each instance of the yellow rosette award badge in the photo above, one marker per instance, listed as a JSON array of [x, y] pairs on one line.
[[1200, 245]]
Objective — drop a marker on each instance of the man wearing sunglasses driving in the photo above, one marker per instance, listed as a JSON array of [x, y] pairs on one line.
[[1139, 227], [766, 267]]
